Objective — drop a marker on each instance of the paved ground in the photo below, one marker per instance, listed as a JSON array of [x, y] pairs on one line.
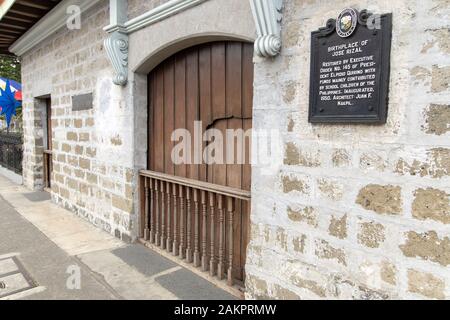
[[46, 252]]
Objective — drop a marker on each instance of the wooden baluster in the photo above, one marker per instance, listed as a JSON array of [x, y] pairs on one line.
[[175, 221], [204, 225], [182, 219], [221, 266], [230, 209], [212, 257], [146, 213], [157, 212], [163, 217], [188, 223], [152, 212], [169, 219], [196, 230]]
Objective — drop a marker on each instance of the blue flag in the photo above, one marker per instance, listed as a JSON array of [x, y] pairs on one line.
[[8, 103]]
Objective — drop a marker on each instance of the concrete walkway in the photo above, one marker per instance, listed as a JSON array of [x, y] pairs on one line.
[[47, 252]]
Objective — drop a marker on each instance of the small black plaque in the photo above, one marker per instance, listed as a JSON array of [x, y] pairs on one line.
[[350, 65], [82, 102]]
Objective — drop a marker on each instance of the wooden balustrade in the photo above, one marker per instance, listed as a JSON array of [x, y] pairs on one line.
[[193, 220]]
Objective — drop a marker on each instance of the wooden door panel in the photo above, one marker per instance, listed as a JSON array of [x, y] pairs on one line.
[[212, 83], [169, 121], [205, 98], [218, 78], [247, 110], [192, 105], [234, 80], [158, 123], [49, 123], [48, 162], [180, 102]]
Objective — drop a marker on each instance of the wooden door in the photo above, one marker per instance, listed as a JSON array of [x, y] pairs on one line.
[[48, 113], [211, 83], [48, 164]]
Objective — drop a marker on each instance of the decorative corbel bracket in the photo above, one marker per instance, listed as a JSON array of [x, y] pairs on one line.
[[117, 48], [268, 16], [117, 43]]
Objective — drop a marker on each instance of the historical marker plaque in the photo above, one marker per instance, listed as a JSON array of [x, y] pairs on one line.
[[350, 64], [82, 102]]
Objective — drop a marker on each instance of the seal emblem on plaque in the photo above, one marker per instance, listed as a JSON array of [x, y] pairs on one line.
[[347, 22]]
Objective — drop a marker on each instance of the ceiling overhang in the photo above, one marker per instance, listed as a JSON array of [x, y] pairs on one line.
[[18, 16]]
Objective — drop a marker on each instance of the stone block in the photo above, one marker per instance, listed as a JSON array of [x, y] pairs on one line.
[[426, 284], [427, 246], [371, 234], [436, 165], [338, 227], [325, 251], [296, 157], [437, 119], [431, 204], [307, 215], [381, 199]]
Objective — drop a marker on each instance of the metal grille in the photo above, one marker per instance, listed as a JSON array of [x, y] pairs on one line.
[[11, 151]]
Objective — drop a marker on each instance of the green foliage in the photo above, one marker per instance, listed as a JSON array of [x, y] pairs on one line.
[[10, 67]]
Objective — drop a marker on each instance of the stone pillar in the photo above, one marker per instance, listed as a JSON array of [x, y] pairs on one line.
[[33, 143]]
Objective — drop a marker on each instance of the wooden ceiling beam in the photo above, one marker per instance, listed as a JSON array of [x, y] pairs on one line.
[[10, 27], [27, 14], [11, 33], [41, 4], [11, 22], [5, 36], [36, 12], [19, 17]]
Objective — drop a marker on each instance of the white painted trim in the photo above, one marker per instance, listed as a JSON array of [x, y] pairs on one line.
[[117, 49], [48, 25], [117, 43], [157, 14], [267, 15]]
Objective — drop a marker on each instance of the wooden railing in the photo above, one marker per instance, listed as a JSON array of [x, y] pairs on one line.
[[192, 220]]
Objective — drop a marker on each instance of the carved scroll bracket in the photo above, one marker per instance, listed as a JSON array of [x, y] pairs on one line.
[[117, 43], [268, 16], [117, 48]]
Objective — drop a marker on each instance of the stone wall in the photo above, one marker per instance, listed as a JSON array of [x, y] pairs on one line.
[[92, 149], [138, 7], [355, 211]]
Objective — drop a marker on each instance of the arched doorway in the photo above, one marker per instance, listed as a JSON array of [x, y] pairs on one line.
[[200, 211]]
